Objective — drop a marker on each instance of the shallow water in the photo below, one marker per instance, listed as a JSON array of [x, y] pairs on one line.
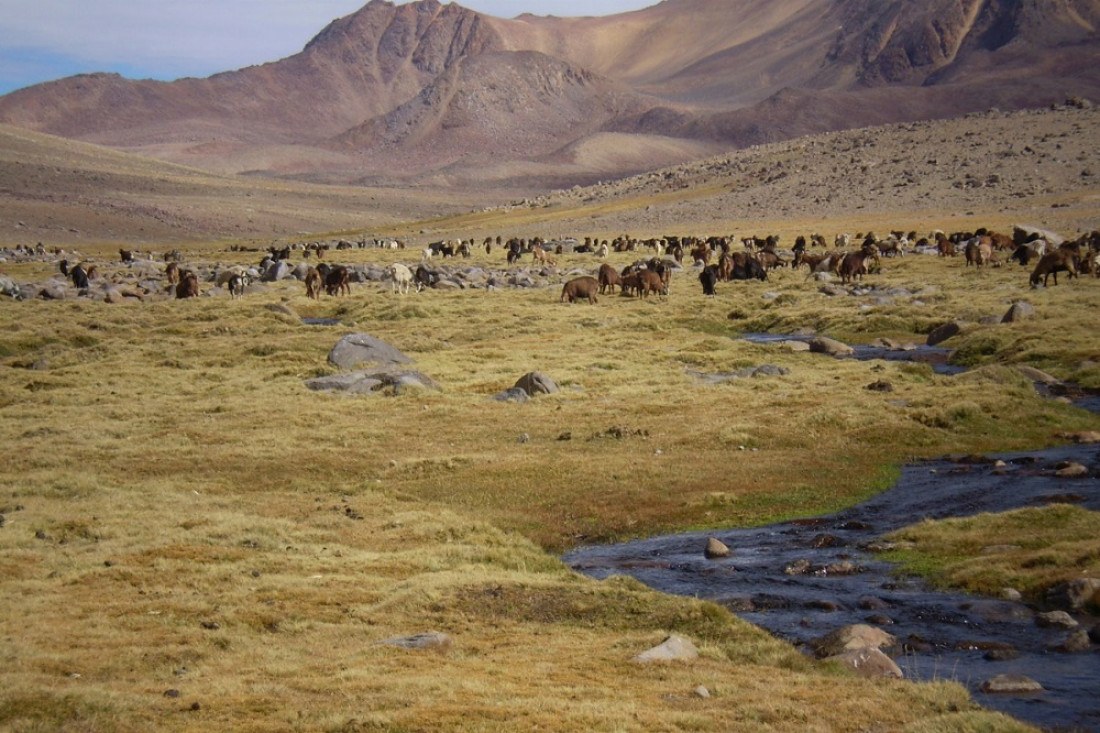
[[946, 634], [936, 356]]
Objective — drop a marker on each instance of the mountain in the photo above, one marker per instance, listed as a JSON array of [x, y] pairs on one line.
[[426, 92]]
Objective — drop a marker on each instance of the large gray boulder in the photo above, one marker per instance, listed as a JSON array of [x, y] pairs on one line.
[[276, 271], [360, 348], [1020, 310], [536, 383], [1023, 232]]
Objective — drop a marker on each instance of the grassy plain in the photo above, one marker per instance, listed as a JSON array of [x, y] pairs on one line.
[[193, 540]]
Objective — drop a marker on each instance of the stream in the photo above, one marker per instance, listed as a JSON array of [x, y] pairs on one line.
[[964, 638]]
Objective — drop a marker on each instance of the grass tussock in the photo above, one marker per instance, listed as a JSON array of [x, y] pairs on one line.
[[1029, 549], [182, 515]]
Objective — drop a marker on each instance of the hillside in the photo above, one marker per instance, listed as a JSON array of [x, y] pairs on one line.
[[993, 168], [399, 94]]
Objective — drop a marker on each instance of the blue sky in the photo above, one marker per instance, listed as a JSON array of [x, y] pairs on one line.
[[41, 40]]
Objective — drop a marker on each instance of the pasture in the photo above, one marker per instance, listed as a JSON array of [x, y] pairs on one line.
[[193, 540]]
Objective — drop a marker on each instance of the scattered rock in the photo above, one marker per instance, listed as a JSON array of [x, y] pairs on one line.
[[515, 394], [702, 691], [1037, 375], [1071, 469], [674, 648], [1011, 684], [798, 567], [536, 383], [369, 382], [1056, 620], [1001, 655], [1020, 310], [880, 386], [1075, 643], [433, 640], [716, 549], [871, 663], [794, 345], [944, 332], [849, 638], [1075, 595], [1084, 437], [832, 347], [360, 348]]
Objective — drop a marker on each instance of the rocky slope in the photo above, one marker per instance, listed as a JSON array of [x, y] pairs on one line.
[[399, 93]]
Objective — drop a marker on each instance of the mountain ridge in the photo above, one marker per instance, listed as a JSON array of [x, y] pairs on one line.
[[404, 92]]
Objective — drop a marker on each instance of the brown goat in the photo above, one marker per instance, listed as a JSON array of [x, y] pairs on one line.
[[1060, 260], [188, 286], [336, 281], [608, 278], [313, 283]]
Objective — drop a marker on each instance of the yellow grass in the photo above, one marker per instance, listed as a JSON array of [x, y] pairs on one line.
[[182, 513]]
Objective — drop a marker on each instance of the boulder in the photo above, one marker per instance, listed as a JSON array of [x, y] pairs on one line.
[[515, 394], [1037, 375], [1023, 232], [1071, 469], [433, 640], [1056, 620], [360, 348], [1075, 595], [1011, 684], [1084, 437], [1020, 310], [536, 383], [832, 347], [674, 648], [944, 332], [715, 549], [856, 636], [870, 663], [368, 382], [276, 271], [1077, 642]]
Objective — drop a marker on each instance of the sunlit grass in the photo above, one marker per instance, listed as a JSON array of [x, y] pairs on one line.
[[182, 513]]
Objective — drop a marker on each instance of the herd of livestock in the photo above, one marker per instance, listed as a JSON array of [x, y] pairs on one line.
[[716, 259]]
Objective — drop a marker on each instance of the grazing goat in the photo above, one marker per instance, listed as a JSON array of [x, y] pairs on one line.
[[854, 264], [1052, 263], [336, 281], [608, 278], [653, 282], [581, 287]]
